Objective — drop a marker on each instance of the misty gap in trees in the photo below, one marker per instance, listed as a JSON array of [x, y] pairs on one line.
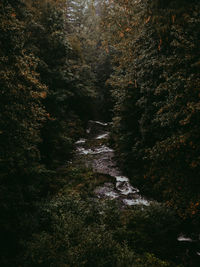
[[64, 62]]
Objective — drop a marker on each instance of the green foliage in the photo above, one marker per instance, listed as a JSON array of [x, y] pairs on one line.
[[156, 109], [21, 111], [41, 88], [54, 63], [87, 41], [153, 229], [79, 232]]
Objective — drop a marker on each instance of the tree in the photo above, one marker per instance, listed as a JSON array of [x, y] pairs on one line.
[[156, 101], [21, 118], [22, 113]]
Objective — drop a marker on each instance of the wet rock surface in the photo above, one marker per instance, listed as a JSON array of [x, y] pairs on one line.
[[94, 152]]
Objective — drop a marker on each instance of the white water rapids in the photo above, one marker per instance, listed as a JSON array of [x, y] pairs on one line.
[[101, 158]]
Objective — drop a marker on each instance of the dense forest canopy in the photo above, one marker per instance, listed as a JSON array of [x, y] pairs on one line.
[[132, 63], [155, 87]]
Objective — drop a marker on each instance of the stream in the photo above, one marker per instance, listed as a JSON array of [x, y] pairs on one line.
[[93, 151], [95, 154]]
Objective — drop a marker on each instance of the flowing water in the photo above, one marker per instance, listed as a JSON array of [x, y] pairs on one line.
[[95, 153]]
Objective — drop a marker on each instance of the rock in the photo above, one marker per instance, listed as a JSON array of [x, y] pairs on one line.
[[96, 127]]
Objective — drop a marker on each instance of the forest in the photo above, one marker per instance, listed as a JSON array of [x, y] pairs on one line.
[[99, 135]]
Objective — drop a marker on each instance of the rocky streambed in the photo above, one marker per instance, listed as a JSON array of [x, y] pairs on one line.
[[94, 152]]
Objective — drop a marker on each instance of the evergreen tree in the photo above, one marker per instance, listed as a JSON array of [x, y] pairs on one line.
[[21, 118], [156, 101], [21, 92]]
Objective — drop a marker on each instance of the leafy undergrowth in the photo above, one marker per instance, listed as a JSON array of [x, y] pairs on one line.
[[73, 228], [82, 181]]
